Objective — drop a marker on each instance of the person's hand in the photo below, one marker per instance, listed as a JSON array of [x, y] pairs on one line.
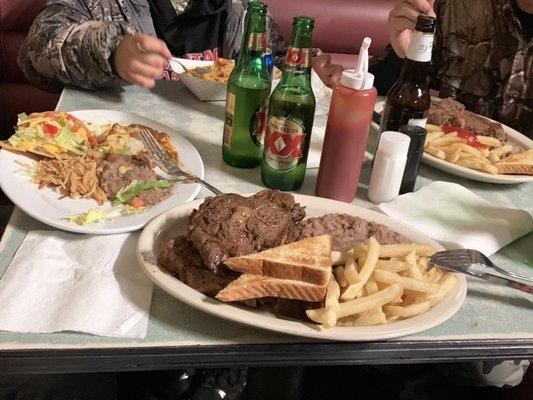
[[402, 21], [329, 73], [140, 59]]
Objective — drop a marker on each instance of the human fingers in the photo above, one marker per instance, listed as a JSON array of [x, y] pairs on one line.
[[152, 59], [139, 68], [334, 75], [150, 44], [142, 80], [423, 6]]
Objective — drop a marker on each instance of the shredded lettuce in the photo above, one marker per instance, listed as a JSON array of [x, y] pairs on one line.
[[22, 116], [127, 193], [95, 215], [67, 140]]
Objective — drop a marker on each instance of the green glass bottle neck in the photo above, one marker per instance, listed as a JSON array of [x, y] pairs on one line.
[[254, 38], [298, 58]]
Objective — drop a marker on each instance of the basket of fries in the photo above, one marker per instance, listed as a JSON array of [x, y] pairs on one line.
[[209, 81]]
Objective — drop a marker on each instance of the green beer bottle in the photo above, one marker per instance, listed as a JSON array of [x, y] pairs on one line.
[[290, 114], [247, 96]]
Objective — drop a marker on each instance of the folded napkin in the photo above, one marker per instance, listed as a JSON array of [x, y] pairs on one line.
[[65, 282], [458, 218]]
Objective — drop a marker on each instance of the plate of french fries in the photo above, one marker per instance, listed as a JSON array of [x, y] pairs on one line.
[[375, 284], [450, 152], [375, 292], [207, 80]]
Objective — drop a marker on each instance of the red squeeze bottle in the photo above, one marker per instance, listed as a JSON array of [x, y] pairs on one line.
[[350, 113]]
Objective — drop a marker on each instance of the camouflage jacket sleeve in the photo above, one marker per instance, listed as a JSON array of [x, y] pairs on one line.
[[66, 46]]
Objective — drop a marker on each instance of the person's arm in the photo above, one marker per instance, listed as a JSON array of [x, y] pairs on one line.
[[64, 46], [401, 23]]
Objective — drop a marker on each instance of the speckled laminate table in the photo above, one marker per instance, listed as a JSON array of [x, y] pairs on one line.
[[493, 323]]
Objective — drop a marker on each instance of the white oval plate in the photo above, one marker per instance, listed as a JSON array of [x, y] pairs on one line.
[[46, 205], [173, 222], [514, 137]]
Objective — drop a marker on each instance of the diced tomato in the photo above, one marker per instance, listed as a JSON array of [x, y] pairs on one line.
[[50, 130], [469, 136], [92, 140], [136, 202]]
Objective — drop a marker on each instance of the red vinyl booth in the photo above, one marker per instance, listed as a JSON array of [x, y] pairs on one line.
[[16, 94]]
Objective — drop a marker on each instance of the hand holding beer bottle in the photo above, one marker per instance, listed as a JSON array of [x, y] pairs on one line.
[[247, 97], [290, 114]]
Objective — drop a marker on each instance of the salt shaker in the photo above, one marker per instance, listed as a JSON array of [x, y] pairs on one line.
[[388, 167]]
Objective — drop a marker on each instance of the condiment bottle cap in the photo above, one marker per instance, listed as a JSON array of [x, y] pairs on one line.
[[359, 78], [394, 144]]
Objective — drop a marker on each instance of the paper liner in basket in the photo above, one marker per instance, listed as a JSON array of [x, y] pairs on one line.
[[203, 89]]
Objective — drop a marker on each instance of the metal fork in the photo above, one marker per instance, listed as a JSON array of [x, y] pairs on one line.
[[164, 162], [464, 261]]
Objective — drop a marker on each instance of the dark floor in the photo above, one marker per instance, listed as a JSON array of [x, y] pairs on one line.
[[261, 384]]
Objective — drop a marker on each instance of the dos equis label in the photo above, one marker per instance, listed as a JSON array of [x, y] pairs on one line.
[[298, 58], [257, 41], [284, 140], [258, 123]]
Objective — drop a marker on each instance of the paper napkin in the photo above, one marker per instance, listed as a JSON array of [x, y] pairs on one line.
[[65, 282], [458, 218]]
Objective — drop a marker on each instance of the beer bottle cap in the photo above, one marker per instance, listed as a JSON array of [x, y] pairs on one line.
[[394, 144], [359, 78]]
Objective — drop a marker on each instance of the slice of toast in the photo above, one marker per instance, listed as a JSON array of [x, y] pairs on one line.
[[254, 286], [307, 260], [519, 163]]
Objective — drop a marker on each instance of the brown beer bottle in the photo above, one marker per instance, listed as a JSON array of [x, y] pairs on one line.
[[408, 100]]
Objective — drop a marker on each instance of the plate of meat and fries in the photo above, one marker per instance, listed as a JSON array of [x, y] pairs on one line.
[[475, 147], [367, 291]]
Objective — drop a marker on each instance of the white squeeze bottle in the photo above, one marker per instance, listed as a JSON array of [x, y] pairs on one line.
[[388, 167]]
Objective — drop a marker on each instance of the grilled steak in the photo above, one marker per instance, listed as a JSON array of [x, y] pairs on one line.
[[346, 231], [449, 112], [179, 257], [231, 225]]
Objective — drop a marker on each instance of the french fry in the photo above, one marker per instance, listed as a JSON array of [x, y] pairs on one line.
[[339, 276], [416, 285], [432, 128], [446, 283], [453, 157], [333, 292], [408, 311], [391, 265], [365, 271], [446, 139], [341, 257], [435, 152], [401, 250], [350, 272], [359, 250], [367, 303], [423, 263], [494, 157], [488, 141], [432, 135], [375, 318], [471, 150], [478, 165], [503, 150], [412, 268]]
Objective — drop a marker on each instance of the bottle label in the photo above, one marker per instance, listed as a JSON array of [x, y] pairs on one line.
[[421, 122], [284, 140], [257, 41], [258, 123], [228, 124], [420, 47], [297, 58]]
